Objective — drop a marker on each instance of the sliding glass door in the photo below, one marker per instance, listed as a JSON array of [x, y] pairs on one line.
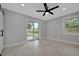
[[36, 30], [32, 30]]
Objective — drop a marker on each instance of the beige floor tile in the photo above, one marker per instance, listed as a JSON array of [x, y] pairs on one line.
[[42, 48]]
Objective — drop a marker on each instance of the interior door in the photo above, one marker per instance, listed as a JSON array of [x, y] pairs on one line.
[[1, 32]]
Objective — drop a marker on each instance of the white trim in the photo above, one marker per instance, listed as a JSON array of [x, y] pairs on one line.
[[14, 44], [68, 42], [40, 29]]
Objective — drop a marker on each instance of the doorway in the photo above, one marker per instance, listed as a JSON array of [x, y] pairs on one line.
[[32, 30]]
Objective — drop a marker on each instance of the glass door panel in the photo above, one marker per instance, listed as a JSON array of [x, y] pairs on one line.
[[36, 30], [32, 30]]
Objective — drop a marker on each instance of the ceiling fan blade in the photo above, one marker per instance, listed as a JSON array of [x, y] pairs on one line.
[[51, 13], [44, 13], [54, 8], [40, 10], [45, 6]]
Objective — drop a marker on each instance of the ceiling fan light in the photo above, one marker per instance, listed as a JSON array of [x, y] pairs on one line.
[[64, 9], [22, 4], [47, 13]]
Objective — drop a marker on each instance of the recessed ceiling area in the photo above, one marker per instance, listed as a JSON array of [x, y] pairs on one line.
[[30, 9]]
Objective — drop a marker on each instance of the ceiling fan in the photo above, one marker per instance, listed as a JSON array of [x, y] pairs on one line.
[[47, 10]]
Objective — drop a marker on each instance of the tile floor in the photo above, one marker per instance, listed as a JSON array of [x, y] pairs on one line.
[[42, 48]]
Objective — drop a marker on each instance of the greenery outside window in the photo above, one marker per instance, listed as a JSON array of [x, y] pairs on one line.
[[71, 25]]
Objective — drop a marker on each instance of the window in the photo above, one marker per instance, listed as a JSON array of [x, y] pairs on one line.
[[71, 25]]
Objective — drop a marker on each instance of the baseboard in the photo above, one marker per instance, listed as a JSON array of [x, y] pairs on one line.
[[68, 42], [14, 44]]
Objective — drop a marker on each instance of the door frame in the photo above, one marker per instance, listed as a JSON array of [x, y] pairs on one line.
[[2, 28], [39, 29]]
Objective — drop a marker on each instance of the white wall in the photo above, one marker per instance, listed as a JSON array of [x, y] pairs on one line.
[[54, 29], [15, 27], [43, 32]]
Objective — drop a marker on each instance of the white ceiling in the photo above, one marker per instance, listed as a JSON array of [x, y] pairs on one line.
[[30, 9]]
